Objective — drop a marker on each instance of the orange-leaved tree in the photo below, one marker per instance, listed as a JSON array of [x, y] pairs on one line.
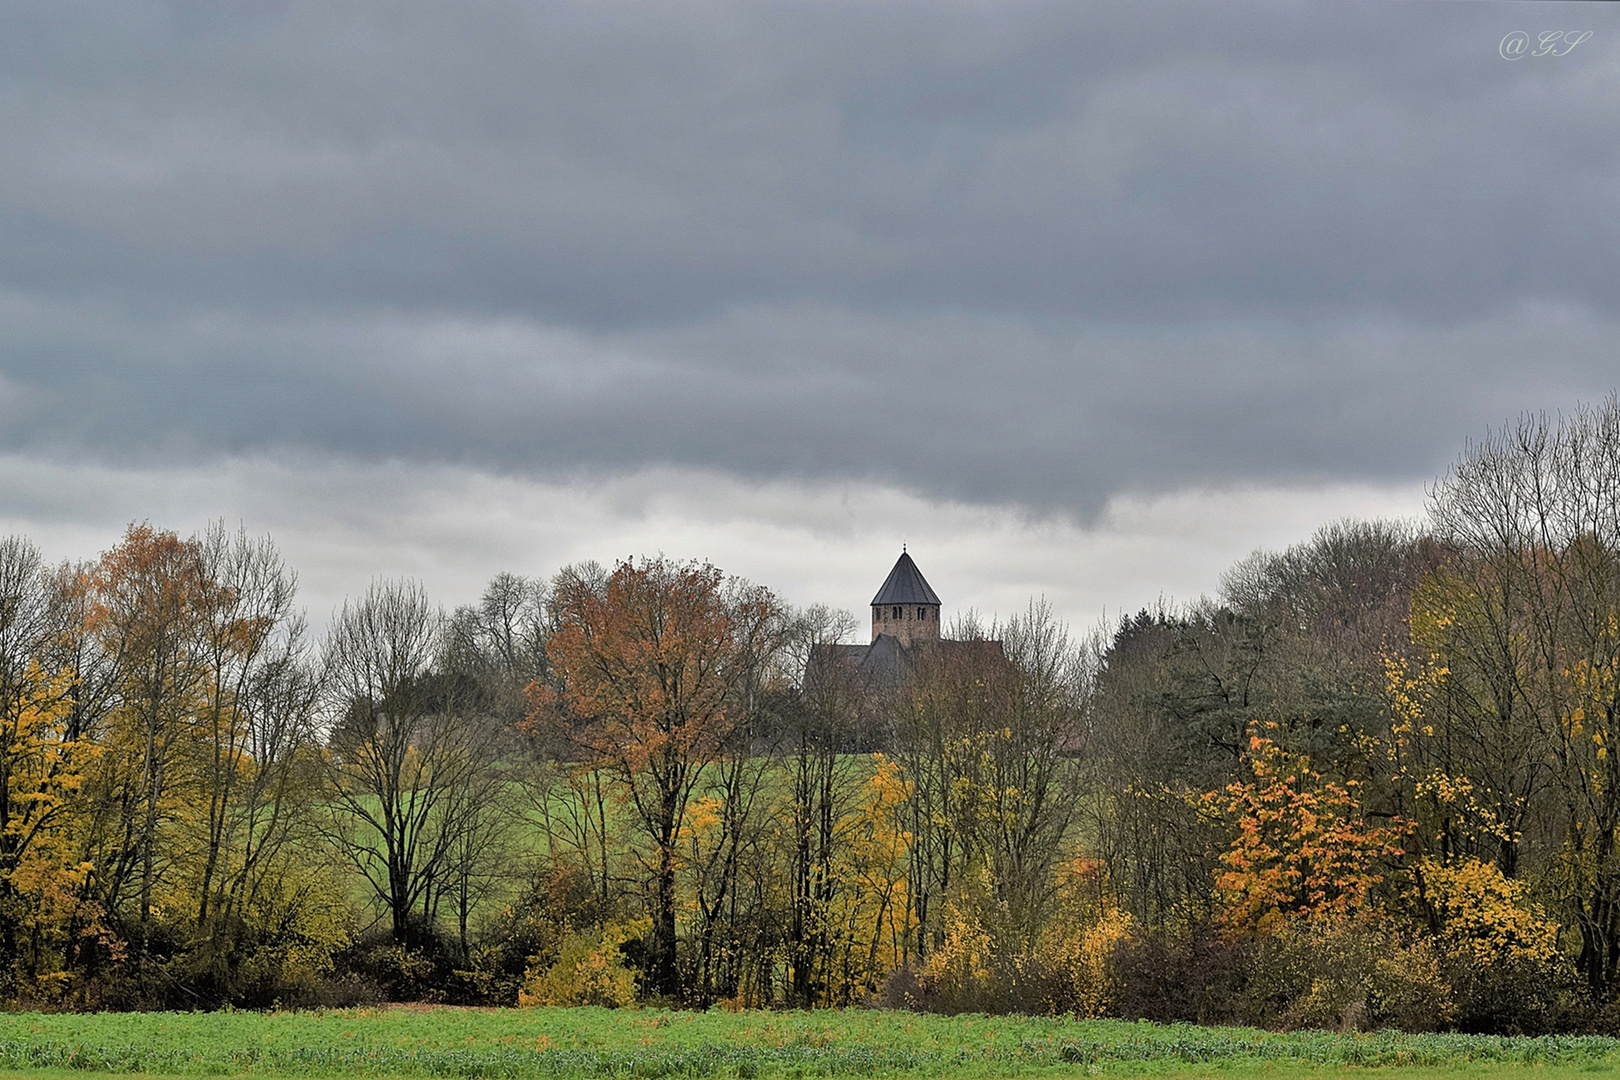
[[652, 668], [146, 614], [1303, 845]]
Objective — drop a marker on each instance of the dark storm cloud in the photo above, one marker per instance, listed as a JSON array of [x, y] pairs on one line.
[[1029, 252]]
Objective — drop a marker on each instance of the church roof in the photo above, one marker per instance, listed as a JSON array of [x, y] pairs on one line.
[[886, 664], [878, 666], [905, 585]]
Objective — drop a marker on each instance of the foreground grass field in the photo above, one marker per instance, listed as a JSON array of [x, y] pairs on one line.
[[567, 1043]]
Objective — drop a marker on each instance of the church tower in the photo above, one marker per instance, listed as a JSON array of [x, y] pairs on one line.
[[906, 608]]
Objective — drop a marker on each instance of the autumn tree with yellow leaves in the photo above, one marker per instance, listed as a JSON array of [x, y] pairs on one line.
[[42, 768], [654, 666]]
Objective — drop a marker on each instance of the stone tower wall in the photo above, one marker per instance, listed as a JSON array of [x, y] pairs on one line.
[[916, 622]]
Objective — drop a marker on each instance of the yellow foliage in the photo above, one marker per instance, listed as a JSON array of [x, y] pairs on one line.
[[1486, 916], [1085, 903], [1087, 961], [589, 970], [963, 958], [982, 964], [42, 875], [872, 914], [703, 817]]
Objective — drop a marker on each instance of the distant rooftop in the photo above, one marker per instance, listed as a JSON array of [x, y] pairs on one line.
[[905, 585]]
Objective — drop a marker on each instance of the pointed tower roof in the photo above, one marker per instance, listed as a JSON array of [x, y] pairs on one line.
[[905, 585]]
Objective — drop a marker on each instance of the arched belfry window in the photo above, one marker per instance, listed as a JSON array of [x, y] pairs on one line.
[[897, 611]]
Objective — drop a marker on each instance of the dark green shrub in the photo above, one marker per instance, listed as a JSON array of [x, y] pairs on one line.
[[1195, 977], [1520, 996]]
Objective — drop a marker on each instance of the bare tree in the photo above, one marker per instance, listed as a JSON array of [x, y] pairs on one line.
[[252, 732], [1524, 619], [989, 724], [1033, 782], [408, 766]]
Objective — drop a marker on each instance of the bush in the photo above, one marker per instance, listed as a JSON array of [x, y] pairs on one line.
[[419, 968], [1484, 916], [982, 969], [589, 970], [1348, 972], [1081, 969], [528, 935], [1197, 977], [1338, 972], [1520, 996], [958, 976]]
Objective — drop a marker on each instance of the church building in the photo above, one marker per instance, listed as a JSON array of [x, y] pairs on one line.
[[906, 641], [905, 621]]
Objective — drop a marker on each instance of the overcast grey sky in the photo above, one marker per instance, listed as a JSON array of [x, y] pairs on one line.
[[1082, 299]]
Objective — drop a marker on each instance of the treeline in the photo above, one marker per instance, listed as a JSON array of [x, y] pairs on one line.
[[1371, 783]]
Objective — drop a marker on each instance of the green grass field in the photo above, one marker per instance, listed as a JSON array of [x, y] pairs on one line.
[[635, 1044]]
